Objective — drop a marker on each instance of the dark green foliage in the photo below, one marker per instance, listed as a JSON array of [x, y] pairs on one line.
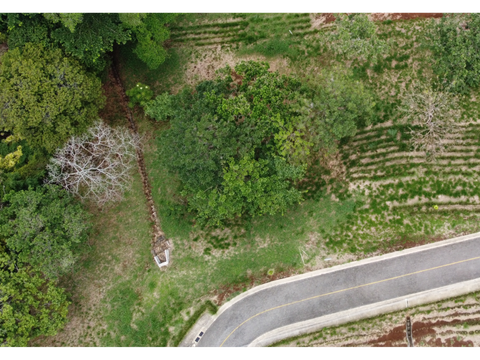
[[42, 227], [30, 305], [455, 42], [47, 97], [93, 37], [28, 172], [26, 28], [232, 144], [150, 35], [89, 37]]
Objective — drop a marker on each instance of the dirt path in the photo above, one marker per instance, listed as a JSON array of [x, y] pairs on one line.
[[147, 190]]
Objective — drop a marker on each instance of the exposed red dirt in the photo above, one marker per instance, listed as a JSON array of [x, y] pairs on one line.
[[329, 17], [225, 291], [403, 16], [396, 337], [450, 342], [237, 78], [113, 109]]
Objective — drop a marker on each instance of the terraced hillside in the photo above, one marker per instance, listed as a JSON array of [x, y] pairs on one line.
[[246, 28], [400, 194]]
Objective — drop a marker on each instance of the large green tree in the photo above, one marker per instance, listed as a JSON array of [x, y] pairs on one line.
[[233, 144], [239, 146], [90, 36], [30, 305], [42, 227], [46, 96]]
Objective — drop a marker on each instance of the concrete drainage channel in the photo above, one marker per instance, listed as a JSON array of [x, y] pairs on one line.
[[408, 330], [161, 246]]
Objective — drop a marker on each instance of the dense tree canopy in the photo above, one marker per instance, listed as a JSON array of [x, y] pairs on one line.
[[230, 143], [47, 97], [42, 227], [455, 41], [88, 37], [239, 147], [30, 305]]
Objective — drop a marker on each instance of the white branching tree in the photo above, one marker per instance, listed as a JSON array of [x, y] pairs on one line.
[[433, 115], [96, 165]]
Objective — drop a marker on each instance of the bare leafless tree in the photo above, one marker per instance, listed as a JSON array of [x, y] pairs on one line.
[[96, 165], [433, 114]]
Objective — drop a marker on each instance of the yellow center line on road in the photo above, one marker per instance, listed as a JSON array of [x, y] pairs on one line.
[[350, 288]]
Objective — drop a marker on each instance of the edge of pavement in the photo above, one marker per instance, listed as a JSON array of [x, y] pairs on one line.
[[367, 311], [208, 322]]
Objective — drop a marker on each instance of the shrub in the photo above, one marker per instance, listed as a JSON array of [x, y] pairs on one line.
[[455, 42], [140, 94], [355, 37]]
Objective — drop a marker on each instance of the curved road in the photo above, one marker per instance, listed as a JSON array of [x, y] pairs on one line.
[[371, 281]]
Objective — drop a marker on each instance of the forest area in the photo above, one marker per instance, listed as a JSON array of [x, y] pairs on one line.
[[260, 145]]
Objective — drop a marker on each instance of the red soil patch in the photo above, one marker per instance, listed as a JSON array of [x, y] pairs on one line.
[[329, 17], [237, 78], [394, 336], [225, 291], [450, 342], [404, 16], [404, 242], [113, 108], [397, 337]]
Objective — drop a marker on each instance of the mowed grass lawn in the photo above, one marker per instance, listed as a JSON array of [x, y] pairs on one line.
[[122, 299]]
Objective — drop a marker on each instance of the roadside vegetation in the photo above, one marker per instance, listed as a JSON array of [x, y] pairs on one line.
[[453, 322], [258, 169]]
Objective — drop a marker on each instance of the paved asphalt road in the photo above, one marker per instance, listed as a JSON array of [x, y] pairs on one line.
[[341, 290]]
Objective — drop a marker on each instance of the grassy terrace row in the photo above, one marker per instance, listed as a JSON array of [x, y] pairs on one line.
[[471, 130], [225, 36], [424, 188], [402, 170], [207, 26], [214, 31], [379, 159], [176, 36], [238, 39], [241, 34], [198, 29]]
